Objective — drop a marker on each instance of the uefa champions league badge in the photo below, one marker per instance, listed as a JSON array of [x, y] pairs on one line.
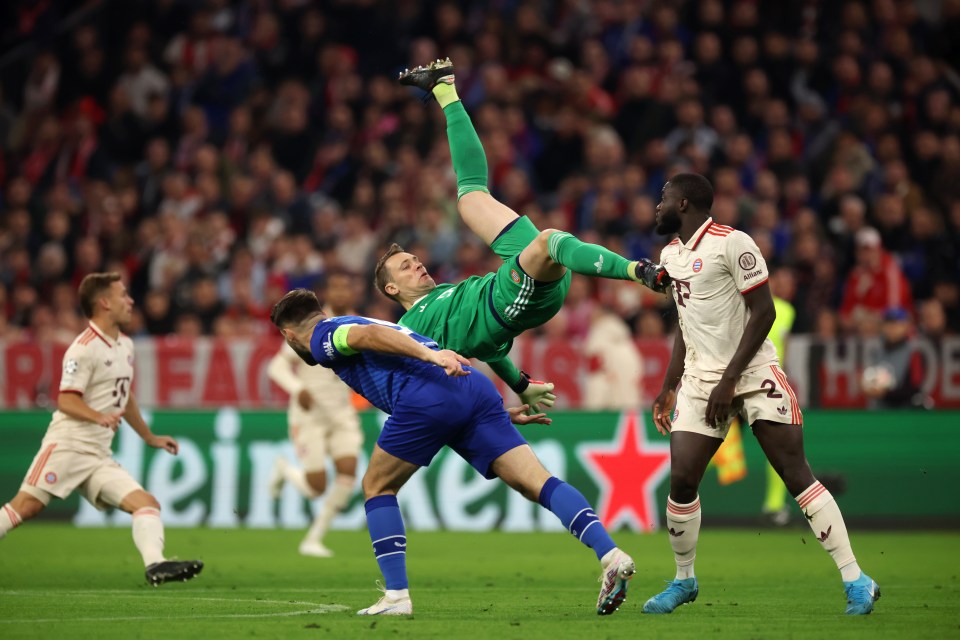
[[697, 265], [515, 276], [51, 477]]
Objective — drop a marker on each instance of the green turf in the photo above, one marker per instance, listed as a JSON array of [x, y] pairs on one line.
[[60, 582]]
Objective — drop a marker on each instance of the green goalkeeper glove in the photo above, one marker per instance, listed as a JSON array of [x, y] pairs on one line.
[[534, 393]]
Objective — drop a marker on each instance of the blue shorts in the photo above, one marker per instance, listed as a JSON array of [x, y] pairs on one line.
[[465, 414]]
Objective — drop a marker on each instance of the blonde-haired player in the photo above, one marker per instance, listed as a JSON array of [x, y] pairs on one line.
[[323, 424], [95, 393], [723, 365]]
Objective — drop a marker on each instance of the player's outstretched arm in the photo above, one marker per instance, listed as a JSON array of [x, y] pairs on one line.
[[372, 337], [663, 405], [135, 419], [759, 301], [535, 393]]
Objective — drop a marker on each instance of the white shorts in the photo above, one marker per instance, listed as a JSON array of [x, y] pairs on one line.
[[59, 472], [760, 394], [317, 437]]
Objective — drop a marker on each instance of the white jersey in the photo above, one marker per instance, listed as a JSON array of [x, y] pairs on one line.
[[331, 396], [710, 273], [100, 369]]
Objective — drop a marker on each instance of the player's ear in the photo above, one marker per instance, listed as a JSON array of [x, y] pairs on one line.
[[391, 289]]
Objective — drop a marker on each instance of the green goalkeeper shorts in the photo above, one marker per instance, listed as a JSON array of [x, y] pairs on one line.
[[519, 301]]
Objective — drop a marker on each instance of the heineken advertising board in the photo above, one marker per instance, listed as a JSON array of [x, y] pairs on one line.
[[885, 468]]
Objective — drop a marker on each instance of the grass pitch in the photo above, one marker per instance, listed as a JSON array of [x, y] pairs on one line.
[[57, 581]]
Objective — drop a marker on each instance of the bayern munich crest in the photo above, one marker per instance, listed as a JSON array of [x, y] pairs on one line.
[[51, 477], [515, 276], [697, 265]]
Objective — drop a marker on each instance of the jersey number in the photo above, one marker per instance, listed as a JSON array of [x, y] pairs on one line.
[[121, 387], [683, 291], [772, 391]]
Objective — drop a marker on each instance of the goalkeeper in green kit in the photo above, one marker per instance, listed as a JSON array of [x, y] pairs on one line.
[[480, 316]]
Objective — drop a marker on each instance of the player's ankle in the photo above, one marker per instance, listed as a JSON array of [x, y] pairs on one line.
[[446, 94]]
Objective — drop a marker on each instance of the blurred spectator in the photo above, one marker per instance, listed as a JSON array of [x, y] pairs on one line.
[[614, 364], [275, 132], [876, 282], [894, 372]]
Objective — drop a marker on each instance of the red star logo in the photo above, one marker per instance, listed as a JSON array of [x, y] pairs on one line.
[[628, 472]]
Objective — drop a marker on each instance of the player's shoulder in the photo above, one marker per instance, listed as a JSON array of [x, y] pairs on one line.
[[728, 235], [339, 321], [87, 340], [671, 249]]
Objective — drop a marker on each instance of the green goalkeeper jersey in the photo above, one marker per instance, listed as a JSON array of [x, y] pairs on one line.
[[461, 317]]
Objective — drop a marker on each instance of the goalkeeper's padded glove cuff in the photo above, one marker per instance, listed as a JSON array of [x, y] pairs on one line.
[[521, 385]]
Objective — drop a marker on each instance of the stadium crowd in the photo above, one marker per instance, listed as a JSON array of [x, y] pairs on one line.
[[220, 153]]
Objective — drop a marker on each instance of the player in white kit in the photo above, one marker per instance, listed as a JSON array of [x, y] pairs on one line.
[[322, 422], [75, 455], [724, 365]]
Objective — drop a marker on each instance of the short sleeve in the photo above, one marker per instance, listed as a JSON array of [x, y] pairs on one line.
[[743, 259], [328, 344], [78, 364]]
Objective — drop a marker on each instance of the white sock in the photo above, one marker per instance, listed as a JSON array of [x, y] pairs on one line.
[[335, 501], [148, 535], [683, 525], [297, 477], [825, 519], [9, 520], [397, 594]]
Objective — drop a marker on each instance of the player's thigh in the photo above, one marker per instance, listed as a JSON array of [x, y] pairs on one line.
[[513, 237], [524, 302], [386, 473], [309, 438], [427, 416], [109, 484], [690, 413], [486, 216], [344, 436], [57, 472], [489, 434]]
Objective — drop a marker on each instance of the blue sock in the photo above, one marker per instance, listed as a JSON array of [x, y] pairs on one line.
[[576, 514], [389, 537]]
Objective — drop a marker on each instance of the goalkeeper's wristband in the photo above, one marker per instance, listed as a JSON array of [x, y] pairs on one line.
[[521, 385]]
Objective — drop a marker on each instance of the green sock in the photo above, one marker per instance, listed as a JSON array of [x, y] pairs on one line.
[[446, 94], [469, 160], [589, 259]]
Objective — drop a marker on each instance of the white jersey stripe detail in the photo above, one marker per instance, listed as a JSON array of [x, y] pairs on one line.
[[580, 537]]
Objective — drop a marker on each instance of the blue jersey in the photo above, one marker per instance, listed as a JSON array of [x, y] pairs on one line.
[[378, 377]]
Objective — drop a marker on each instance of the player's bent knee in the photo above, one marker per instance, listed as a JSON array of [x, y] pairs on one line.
[[139, 499], [542, 241], [317, 481]]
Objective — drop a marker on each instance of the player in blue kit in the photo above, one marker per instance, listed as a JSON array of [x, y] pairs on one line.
[[434, 399]]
